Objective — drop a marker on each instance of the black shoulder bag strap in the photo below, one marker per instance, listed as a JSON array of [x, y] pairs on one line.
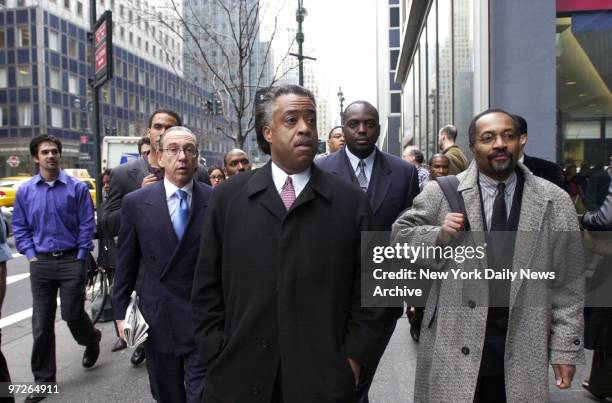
[[449, 185]]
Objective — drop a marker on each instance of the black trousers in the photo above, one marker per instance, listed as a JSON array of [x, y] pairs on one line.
[[67, 275], [175, 378]]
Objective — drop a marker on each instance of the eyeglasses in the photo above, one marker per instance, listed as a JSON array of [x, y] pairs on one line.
[[189, 151], [217, 177], [488, 138]]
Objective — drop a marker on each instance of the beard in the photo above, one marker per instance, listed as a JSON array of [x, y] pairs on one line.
[[502, 167]]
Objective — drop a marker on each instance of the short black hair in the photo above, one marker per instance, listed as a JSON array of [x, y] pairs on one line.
[[142, 141], [522, 123], [450, 132], [174, 114], [233, 150], [36, 141], [472, 128], [360, 102], [439, 155], [332, 130], [263, 111]]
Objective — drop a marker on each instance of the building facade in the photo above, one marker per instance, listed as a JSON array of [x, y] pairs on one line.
[[547, 61], [44, 71]]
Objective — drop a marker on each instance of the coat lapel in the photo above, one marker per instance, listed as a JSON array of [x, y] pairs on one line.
[[533, 210], [157, 212], [199, 201], [139, 172], [379, 182], [468, 187], [262, 184]]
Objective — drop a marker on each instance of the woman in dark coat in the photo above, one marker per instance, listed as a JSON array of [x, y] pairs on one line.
[[598, 311]]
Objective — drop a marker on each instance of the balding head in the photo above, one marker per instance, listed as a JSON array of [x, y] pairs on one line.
[[235, 161]]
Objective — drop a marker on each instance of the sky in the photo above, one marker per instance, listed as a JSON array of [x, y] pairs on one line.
[[341, 35]]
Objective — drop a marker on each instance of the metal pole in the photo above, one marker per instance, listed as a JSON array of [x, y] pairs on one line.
[[299, 16], [95, 91]]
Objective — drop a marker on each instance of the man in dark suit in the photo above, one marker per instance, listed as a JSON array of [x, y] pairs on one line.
[[160, 230], [139, 173], [277, 309], [539, 167], [390, 183]]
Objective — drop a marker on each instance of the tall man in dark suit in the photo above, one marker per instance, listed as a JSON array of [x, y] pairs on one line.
[[160, 230], [390, 183], [277, 309], [542, 168]]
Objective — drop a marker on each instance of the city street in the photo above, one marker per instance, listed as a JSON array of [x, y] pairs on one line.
[[114, 379]]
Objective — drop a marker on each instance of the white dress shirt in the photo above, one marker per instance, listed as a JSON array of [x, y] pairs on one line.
[[300, 180], [172, 199], [369, 163]]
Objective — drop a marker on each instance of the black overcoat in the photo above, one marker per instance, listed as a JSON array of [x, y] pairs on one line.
[[280, 290]]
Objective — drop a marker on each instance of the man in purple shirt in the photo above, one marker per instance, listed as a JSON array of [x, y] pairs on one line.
[[53, 224]]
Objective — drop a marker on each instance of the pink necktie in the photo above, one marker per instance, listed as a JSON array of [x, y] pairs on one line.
[[287, 193]]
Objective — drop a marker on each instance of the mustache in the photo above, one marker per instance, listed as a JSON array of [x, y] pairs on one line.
[[501, 153], [305, 142]]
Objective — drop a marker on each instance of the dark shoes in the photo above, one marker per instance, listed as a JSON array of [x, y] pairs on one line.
[[119, 345], [32, 398], [586, 385], [92, 352], [138, 356]]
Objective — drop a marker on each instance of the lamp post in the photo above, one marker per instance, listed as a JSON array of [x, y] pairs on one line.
[[299, 38], [341, 99]]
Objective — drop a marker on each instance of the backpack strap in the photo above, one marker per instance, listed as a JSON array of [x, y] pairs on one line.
[[449, 185]]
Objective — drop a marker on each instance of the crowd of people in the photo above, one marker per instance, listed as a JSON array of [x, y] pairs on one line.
[[250, 279]]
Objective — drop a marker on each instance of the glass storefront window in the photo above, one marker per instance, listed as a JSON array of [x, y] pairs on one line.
[[584, 79], [408, 109], [417, 96], [423, 94]]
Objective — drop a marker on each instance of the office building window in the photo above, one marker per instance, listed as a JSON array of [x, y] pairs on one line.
[[3, 77], [54, 40], [2, 38], [23, 36], [67, 4], [75, 120], [24, 76], [3, 116], [394, 17], [118, 97], [72, 47], [54, 79], [56, 117], [73, 84], [79, 8], [24, 115]]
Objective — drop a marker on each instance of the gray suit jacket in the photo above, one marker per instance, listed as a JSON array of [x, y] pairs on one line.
[[546, 319]]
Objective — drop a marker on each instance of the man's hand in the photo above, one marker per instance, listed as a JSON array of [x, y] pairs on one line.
[[452, 225], [564, 373], [34, 259], [356, 370], [120, 326], [148, 180]]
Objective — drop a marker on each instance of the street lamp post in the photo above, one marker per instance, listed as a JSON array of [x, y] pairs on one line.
[[341, 99], [299, 38]]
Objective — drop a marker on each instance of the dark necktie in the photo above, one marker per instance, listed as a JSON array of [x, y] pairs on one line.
[[499, 218], [181, 215], [361, 177]]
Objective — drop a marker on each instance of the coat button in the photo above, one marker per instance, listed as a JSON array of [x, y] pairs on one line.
[[465, 350], [264, 344], [254, 391], [471, 304], [577, 342]]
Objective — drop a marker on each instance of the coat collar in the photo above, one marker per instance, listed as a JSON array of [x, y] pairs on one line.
[[262, 186]]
